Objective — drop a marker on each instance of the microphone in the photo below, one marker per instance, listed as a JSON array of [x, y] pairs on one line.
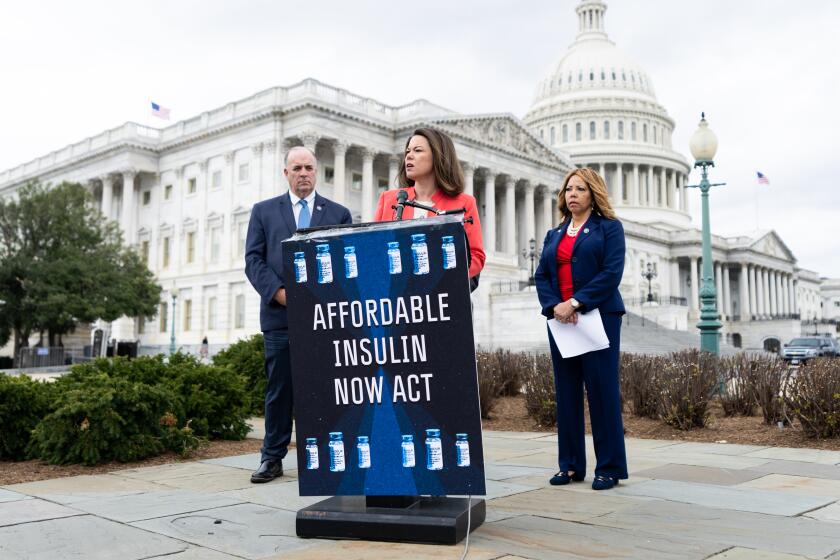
[[402, 197]]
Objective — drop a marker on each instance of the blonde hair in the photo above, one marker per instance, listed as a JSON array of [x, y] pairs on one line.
[[600, 198]]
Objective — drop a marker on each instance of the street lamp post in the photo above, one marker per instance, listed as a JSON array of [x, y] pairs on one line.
[[531, 253], [703, 146], [172, 346], [649, 274]]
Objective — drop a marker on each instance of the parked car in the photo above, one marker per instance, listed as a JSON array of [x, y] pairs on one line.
[[801, 349]]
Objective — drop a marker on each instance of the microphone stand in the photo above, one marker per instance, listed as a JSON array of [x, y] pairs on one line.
[[435, 211]]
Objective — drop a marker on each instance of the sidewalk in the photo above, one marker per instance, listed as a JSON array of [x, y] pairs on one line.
[[683, 501]]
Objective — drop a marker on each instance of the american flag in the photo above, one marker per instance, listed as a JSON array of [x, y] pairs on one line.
[[160, 112], [762, 178]]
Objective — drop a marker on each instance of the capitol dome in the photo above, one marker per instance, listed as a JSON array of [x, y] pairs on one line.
[[599, 107]]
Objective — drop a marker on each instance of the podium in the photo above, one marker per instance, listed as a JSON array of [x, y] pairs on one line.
[[385, 383]]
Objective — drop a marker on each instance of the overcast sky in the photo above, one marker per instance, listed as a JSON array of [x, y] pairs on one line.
[[765, 71]]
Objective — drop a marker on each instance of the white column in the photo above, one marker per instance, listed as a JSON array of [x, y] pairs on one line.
[[489, 221], [618, 194], [765, 290], [548, 215], [771, 281], [752, 288], [683, 194], [694, 301], [744, 293], [794, 304], [672, 190], [257, 151], [674, 288], [228, 241], [650, 195], [719, 289], [727, 294], [469, 175], [530, 215], [510, 216], [108, 196], [394, 169], [663, 195], [780, 308], [367, 184], [340, 171], [129, 208], [635, 190], [601, 172], [785, 294], [310, 140]]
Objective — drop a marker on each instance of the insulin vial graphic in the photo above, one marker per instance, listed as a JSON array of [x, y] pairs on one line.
[[408, 451], [322, 257], [300, 267], [351, 265], [363, 449], [420, 253], [448, 252], [394, 260], [312, 453], [434, 451], [336, 451], [462, 450]]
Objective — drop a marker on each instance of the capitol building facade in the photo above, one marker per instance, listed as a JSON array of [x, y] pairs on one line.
[[182, 196]]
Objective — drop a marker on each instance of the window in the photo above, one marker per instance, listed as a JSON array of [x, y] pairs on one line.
[[166, 248], [191, 185], [633, 131], [578, 133], [606, 130], [190, 246], [565, 133], [644, 133], [553, 136], [621, 130], [239, 312], [187, 314], [329, 175], [215, 244], [592, 130], [147, 197], [613, 75], [837, 304], [211, 313], [167, 192], [241, 237], [144, 251], [382, 183], [216, 180], [580, 76], [244, 172], [542, 134], [356, 183], [141, 325], [163, 314], [591, 76], [654, 135], [603, 76]]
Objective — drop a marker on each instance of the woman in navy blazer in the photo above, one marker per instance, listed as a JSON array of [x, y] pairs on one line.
[[580, 269]]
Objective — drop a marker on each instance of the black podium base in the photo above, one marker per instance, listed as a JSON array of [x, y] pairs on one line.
[[391, 518]]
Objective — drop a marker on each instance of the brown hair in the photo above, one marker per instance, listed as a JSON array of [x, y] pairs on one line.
[[600, 198], [449, 177]]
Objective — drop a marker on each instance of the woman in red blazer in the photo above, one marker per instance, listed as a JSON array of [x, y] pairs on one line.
[[431, 174]]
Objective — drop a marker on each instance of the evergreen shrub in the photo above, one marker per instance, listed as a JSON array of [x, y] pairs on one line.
[[23, 402], [246, 357]]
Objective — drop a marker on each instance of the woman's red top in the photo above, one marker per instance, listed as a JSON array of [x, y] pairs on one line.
[[564, 266]]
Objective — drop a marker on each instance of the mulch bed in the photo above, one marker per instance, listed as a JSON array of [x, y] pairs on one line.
[[509, 415], [29, 471]]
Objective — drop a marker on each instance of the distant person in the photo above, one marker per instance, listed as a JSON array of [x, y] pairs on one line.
[[580, 269], [204, 351], [431, 174], [273, 221]]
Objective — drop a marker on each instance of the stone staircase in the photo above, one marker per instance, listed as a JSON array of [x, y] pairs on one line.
[[643, 336]]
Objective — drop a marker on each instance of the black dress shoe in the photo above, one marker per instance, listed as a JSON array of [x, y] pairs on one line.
[[268, 471]]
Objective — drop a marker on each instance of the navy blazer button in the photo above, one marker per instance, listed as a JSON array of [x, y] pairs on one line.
[[585, 230]]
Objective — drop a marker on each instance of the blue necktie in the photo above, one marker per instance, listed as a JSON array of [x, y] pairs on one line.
[[303, 217]]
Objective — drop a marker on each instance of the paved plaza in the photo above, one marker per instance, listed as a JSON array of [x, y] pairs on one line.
[[683, 501]]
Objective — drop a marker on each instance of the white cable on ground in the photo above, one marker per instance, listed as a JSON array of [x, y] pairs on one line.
[[467, 542]]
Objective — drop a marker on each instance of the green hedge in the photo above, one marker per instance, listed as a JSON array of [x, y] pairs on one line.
[[246, 357], [23, 403]]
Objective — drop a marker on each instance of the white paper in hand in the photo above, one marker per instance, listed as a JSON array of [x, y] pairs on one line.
[[587, 335]]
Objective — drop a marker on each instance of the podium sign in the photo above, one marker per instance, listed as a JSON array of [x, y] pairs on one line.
[[383, 360]]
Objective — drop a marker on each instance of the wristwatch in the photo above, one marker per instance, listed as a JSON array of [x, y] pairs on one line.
[[575, 303]]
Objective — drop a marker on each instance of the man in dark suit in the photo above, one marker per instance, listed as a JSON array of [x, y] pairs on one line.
[[273, 221]]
